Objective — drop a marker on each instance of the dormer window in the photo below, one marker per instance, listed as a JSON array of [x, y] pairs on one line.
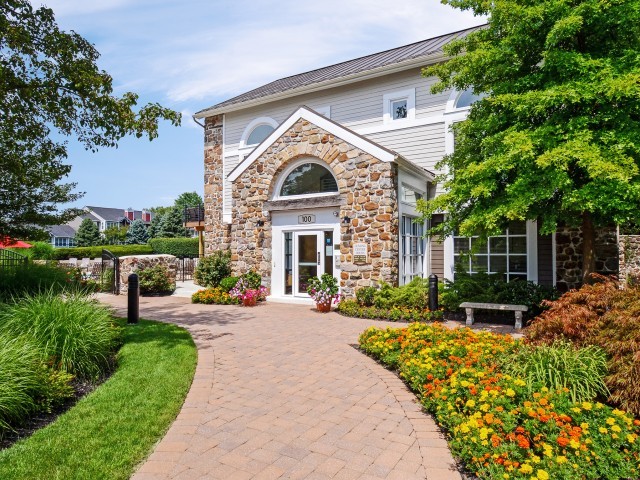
[[399, 106], [308, 178], [257, 131]]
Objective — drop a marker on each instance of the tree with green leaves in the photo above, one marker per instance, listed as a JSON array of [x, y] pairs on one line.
[[50, 88], [115, 235], [557, 137], [88, 234], [137, 233], [172, 225], [188, 199]]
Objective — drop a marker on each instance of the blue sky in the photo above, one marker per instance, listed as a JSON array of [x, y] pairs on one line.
[[192, 54]]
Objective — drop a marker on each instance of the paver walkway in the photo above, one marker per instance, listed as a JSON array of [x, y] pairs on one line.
[[281, 392]]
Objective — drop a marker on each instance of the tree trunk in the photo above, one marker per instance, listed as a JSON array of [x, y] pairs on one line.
[[588, 248]]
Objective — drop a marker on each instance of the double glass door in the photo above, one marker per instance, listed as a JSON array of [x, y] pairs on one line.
[[307, 254]]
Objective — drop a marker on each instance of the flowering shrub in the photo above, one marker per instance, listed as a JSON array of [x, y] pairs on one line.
[[215, 295], [324, 290], [498, 426], [352, 308], [245, 290]]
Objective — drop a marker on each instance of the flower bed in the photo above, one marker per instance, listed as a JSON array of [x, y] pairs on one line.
[[351, 308], [497, 426], [214, 296]]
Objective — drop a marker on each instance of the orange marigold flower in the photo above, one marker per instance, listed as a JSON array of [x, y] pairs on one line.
[[563, 441], [543, 401]]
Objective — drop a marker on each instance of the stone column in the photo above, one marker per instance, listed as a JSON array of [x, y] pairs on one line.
[[216, 232]]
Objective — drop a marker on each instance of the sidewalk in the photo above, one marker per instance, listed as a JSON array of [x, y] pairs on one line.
[[281, 392]]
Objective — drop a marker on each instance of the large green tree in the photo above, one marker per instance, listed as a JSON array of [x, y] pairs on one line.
[[51, 88], [188, 199], [557, 138], [171, 225], [88, 234], [137, 233]]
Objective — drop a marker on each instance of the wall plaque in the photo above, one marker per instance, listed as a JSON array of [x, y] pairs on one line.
[[306, 219], [359, 253]]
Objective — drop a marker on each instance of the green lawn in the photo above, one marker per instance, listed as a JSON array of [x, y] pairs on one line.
[[106, 434]]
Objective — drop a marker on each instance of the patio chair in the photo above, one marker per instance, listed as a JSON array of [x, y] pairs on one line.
[[72, 261]]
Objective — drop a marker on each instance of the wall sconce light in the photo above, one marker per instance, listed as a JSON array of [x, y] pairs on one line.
[[260, 223], [346, 219]]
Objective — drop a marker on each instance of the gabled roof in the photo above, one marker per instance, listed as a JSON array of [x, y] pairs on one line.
[[114, 214], [419, 52], [61, 231], [363, 143]]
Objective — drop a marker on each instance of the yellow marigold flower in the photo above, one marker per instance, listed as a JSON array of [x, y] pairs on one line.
[[464, 428], [574, 444], [535, 459], [510, 392], [485, 407], [614, 435], [505, 475], [584, 426], [617, 412], [544, 389], [542, 475], [603, 430], [616, 428], [519, 382], [587, 406], [526, 468], [470, 403], [561, 459], [610, 421], [631, 438], [576, 410]]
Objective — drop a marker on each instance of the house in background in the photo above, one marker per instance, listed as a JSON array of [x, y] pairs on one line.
[[320, 173], [103, 217]]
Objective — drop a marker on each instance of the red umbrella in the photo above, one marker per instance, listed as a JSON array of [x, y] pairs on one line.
[[8, 243]]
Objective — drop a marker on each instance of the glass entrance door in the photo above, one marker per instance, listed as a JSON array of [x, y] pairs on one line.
[[307, 254]]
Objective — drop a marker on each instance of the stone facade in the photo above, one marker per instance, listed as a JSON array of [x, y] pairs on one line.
[[371, 207], [216, 233], [629, 255], [569, 255], [134, 263]]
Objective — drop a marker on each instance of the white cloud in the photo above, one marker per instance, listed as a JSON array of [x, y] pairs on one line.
[[80, 7]]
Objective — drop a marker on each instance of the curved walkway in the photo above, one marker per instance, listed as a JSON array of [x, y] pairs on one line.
[[281, 392]]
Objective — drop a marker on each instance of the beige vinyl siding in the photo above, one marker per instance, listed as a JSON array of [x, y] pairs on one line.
[[357, 106], [422, 145]]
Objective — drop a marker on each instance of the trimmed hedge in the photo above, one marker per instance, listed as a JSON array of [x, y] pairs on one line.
[[95, 252], [178, 247]]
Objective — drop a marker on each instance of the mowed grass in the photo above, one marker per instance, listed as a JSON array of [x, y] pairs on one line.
[[110, 431]]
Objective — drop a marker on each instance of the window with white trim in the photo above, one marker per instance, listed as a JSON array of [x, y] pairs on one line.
[[409, 195], [466, 98], [504, 254], [259, 133], [413, 247], [308, 179], [399, 106]]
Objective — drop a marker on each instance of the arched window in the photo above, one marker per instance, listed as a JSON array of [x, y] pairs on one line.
[[307, 179], [257, 131], [466, 98]]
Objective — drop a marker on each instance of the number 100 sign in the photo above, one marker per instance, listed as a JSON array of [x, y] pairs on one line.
[[305, 219]]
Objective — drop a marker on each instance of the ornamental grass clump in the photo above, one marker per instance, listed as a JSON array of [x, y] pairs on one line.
[[75, 333], [496, 424]]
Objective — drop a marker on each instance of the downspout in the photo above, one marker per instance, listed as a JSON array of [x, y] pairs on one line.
[[193, 117]]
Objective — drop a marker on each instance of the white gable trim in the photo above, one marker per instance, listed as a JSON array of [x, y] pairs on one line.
[[305, 113]]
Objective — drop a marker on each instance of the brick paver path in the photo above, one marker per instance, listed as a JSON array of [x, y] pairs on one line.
[[281, 392]]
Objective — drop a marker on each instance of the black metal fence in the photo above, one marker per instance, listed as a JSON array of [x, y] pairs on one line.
[[11, 259], [110, 272], [186, 266], [193, 214]]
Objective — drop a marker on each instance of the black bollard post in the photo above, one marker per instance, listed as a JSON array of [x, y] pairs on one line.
[[133, 310], [433, 292]]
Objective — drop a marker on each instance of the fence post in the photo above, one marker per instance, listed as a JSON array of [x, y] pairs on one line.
[[133, 299], [433, 292]]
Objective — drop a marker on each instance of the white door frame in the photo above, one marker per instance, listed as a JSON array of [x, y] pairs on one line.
[[319, 263]]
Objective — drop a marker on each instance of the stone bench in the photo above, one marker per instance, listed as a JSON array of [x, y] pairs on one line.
[[518, 309]]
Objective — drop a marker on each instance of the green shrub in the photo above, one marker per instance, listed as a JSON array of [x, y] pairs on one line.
[[492, 288], [228, 283], [75, 333], [179, 247], [414, 294], [96, 252], [366, 296], [41, 251], [214, 296], [351, 308], [252, 279], [32, 278], [560, 365], [213, 268], [156, 279]]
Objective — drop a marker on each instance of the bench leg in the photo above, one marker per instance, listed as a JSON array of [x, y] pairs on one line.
[[518, 320], [469, 316]]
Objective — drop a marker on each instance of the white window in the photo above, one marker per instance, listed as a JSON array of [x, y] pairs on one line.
[[466, 98], [399, 106], [409, 195], [308, 178], [257, 131], [413, 247], [504, 254]]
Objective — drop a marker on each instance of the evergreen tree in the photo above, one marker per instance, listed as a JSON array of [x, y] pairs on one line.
[[137, 233], [154, 227], [171, 224], [88, 234], [557, 136]]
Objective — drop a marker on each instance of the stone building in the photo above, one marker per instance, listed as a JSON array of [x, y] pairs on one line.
[[320, 173]]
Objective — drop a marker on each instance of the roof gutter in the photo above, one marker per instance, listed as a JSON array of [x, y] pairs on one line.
[[332, 83]]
